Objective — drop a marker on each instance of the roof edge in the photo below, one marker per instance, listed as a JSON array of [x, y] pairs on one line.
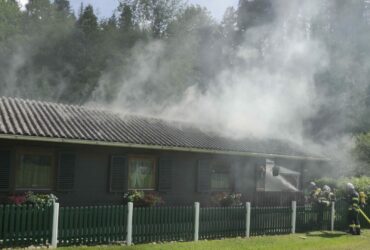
[[157, 147]]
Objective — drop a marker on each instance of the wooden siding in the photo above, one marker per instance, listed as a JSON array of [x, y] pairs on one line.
[[91, 175]]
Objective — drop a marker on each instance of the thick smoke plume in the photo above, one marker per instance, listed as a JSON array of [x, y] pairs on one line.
[[300, 72], [269, 90]]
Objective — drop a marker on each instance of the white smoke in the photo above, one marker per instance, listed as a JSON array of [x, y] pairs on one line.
[[269, 92], [23, 4]]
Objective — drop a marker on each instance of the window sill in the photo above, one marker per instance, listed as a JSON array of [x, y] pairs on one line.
[[34, 189], [221, 190], [141, 189]]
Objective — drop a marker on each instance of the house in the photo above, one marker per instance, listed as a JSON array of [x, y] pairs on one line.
[[92, 156]]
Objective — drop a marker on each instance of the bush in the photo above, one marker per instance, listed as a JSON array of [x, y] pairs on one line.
[[339, 185], [40, 199], [362, 153], [143, 199], [224, 199], [30, 198]]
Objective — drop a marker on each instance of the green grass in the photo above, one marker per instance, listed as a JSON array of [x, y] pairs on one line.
[[313, 240]]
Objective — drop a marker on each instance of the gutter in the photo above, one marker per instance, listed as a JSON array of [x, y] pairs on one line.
[[157, 147]]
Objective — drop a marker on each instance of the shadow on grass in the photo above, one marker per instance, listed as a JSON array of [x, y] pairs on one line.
[[325, 234]]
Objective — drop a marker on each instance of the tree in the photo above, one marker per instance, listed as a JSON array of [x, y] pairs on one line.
[[10, 19], [38, 64], [254, 13], [153, 15], [229, 24], [126, 22], [343, 27], [129, 30], [88, 22], [362, 153], [39, 10], [110, 23], [197, 60], [229, 31], [63, 5]]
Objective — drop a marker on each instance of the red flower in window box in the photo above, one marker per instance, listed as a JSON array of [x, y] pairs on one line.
[[17, 199]]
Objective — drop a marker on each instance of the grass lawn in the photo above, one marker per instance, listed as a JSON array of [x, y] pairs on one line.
[[313, 240]]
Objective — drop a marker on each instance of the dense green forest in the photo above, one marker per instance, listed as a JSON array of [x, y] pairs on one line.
[[312, 60]]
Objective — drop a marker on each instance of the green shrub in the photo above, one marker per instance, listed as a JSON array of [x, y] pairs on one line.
[[40, 199], [31, 198], [361, 183]]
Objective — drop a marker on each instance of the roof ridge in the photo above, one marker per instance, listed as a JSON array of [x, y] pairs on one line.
[[45, 102], [101, 109]]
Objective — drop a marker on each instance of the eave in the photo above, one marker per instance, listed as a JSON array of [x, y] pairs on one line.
[[158, 147]]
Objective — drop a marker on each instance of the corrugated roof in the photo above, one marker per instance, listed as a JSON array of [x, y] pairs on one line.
[[38, 119]]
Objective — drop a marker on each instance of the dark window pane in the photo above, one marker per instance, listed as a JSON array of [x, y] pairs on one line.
[[220, 177]]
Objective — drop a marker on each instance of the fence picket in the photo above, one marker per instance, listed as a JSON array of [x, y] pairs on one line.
[[145, 223], [30, 233], [114, 220], [87, 226], [23, 230], [1, 221]]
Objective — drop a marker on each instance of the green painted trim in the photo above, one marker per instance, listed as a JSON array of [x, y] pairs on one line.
[[158, 147]]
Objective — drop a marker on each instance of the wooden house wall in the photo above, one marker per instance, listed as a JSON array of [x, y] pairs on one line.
[[91, 180]]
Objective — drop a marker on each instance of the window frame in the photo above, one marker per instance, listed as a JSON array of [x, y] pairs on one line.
[[228, 167], [272, 163], [35, 151], [260, 177], [155, 168]]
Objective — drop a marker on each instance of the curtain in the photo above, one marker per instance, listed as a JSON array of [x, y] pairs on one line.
[[141, 174], [34, 171]]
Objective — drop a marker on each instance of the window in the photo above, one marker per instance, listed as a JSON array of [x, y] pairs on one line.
[[35, 171], [286, 180], [220, 177], [260, 177], [142, 173]]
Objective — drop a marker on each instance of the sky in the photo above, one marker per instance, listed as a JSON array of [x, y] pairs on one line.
[[105, 8]]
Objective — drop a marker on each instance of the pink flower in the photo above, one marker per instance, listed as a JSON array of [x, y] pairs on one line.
[[17, 199]]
